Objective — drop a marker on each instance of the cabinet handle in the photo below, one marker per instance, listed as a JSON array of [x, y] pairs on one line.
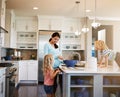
[[26, 27], [71, 28]]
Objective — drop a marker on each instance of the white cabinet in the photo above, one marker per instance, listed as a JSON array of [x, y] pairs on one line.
[[27, 29], [70, 25], [2, 19], [2, 13], [10, 38], [111, 85], [50, 23], [78, 85], [27, 40], [26, 24], [28, 71], [70, 41], [91, 84]]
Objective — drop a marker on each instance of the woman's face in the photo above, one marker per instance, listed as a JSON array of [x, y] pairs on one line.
[[55, 39]]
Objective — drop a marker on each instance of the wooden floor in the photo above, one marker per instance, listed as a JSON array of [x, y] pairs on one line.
[[30, 91]]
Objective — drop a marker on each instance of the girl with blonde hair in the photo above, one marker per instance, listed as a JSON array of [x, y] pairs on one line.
[[49, 75], [107, 54]]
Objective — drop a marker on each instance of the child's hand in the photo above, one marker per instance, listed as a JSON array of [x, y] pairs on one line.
[[57, 70]]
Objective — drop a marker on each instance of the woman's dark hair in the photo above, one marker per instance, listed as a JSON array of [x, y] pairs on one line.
[[54, 35]]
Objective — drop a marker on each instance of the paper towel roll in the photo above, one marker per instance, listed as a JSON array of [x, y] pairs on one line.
[[92, 63]]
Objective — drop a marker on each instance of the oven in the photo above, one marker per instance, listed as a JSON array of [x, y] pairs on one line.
[[9, 79], [2, 83]]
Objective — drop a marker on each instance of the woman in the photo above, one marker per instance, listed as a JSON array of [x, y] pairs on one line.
[[52, 48]]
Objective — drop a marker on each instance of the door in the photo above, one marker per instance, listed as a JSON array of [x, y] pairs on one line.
[[32, 70], [22, 70]]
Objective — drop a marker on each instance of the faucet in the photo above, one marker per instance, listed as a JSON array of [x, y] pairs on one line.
[[76, 53]]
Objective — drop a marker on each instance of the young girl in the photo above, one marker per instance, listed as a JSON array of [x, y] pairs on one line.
[[49, 75], [107, 54]]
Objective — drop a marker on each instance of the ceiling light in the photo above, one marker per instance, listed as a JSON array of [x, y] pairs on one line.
[[95, 24], [88, 10], [35, 8], [85, 28], [77, 32]]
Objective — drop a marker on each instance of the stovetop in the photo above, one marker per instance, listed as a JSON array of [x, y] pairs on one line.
[[6, 64]]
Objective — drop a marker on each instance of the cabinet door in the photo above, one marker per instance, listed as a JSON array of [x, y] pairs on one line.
[[21, 25], [2, 13], [44, 24], [56, 24], [22, 70], [26, 24], [69, 26], [50, 23], [31, 25], [32, 70]]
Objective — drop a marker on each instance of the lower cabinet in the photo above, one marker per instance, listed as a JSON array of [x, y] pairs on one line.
[[111, 86], [28, 71], [91, 85]]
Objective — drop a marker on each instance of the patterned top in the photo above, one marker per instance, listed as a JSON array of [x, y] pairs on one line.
[[110, 53]]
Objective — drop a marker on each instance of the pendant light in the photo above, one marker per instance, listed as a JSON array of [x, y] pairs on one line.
[[85, 28], [95, 24], [77, 32]]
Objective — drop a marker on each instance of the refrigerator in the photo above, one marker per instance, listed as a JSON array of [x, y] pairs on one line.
[[44, 36]]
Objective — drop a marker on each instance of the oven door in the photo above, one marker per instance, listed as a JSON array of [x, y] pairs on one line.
[[2, 86], [11, 87]]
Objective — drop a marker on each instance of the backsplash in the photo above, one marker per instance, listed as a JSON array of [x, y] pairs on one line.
[[24, 54], [69, 54]]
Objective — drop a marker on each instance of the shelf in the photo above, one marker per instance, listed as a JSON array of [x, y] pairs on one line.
[[76, 86], [72, 49], [111, 86], [26, 43]]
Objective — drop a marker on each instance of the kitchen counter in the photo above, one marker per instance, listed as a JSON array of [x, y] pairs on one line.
[[90, 69], [89, 82], [109, 70]]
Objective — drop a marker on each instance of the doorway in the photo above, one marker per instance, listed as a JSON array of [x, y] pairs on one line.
[[105, 33]]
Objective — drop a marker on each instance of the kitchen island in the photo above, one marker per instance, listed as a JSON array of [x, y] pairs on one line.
[[88, 82]]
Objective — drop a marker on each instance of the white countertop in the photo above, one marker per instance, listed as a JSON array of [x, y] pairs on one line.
[[107, 70]]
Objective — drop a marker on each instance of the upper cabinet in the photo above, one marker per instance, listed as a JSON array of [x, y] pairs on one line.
[[26, 24], [50, 23], [2, 21], [10, 37], [27, 28], [2, 13], [70, 41], [69, 25], [65, 24]]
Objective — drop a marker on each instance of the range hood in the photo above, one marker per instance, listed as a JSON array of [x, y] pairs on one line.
[[2, 30]]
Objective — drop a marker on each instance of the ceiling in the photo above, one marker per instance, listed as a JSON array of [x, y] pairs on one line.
[[105, 9]]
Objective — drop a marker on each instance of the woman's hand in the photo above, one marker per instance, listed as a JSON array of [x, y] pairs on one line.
[[60, 57]]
